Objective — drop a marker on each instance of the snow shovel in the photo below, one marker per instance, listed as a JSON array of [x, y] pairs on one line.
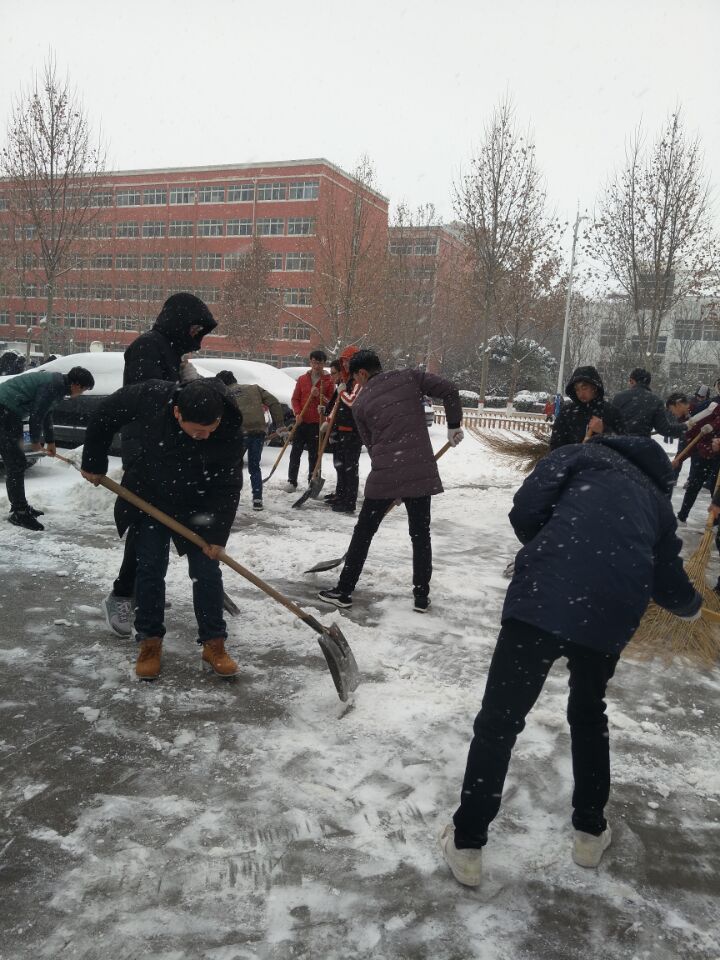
[[298, 421], [333, 644], [331, 564], [317, 481]]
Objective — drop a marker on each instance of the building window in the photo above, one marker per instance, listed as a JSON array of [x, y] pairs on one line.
[[153, 228], [294, 330], [270, 227], [4, 205], [301, 226], [208, 261], [181, 228], [271, 191], [102, 261], [241, 193], [239, 228], [300, 261], [27, 290], [417, 248], [101, 291], [102, 198], [27, 261], [4, 232], [98, 231], [211, 195], [26, 232], [207, 294], [25, 318], [77, 320], [151, 292], [97, 321], [180, 195], [123, 261], [232, 261], [127, 198], [155, 197], [4, 318], [426, 248], [127, 324], [180, 261], [128, 291], [304, 190], [297, 297], [275, 261], [152, 261], [127, 230], [210, 228]]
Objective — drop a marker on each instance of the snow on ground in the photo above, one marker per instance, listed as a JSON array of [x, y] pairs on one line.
[[262, 818]]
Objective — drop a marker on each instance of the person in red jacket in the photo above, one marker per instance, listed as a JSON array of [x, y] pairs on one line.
[[706, 461], [319, 387]]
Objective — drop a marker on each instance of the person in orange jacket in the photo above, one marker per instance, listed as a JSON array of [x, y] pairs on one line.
[[319, 387]]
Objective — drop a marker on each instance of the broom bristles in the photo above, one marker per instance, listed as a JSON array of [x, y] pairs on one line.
[[527, 449]]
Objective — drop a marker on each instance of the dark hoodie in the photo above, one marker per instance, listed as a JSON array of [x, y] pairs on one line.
[[156, 355], [572, 422], [600, 541]]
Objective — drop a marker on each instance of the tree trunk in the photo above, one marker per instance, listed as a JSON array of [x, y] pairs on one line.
[[49, 317]]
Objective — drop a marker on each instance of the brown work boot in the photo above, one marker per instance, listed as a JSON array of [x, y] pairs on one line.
[[216, 657], [147, 665]]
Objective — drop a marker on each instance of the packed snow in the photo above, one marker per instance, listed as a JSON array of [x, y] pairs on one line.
[[261, 818]]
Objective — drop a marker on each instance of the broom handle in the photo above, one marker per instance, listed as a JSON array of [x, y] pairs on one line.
[[685, 452], [324, 440], [712, 615], [710, 522]]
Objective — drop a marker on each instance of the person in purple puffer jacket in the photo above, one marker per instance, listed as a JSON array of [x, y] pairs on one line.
[[390, 418]]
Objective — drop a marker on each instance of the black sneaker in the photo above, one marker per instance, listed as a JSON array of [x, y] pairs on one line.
[[336, 598], [342, 508], [422, 604], [257, 504], [23, 518], [681, 519], [330, 498], [35, 513]]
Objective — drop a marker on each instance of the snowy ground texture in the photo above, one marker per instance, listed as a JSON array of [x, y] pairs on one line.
[[261, 818]]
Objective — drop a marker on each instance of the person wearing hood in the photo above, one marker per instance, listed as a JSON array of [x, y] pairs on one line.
[[346, 440], [599, 541], [156, 355], [643, 411], [186, 461], [588, 412]]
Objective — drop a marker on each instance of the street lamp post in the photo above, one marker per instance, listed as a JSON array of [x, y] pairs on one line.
[[568, 303]]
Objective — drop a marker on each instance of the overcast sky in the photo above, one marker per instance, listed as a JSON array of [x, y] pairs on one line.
[[410, 84]]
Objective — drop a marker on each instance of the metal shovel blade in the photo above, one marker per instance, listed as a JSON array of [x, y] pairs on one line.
[[229, 606], [326, 565], [340, 661], [313, 490]]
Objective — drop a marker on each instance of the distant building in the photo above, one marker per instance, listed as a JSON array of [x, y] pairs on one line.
[[157, 232]]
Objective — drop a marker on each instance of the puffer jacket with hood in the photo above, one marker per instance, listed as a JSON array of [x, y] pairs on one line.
[[157, 354], [572, 422]]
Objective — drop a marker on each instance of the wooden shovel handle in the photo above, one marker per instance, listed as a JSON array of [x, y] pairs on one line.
[[288, 441], [324, 441]]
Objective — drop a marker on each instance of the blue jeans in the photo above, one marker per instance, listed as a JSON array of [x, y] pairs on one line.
[[254, 445], [152, 549]]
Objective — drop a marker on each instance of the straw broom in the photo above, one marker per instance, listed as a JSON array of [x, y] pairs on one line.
[[525, 449], [662, 634]]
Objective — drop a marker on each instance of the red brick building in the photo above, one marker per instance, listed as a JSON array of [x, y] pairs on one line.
[[156, 232]]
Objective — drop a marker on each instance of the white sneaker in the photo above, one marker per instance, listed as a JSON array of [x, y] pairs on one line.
[[588, 849], [290, 487], [118, 613], [466, 865]]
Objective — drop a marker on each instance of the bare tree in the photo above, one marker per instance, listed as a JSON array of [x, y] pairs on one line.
[[653, 232], [250, 306], [349, 280], [53, 166], [501, 207]]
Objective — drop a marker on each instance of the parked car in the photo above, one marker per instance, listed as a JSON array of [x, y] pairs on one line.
[[72, 415], [429, 409]]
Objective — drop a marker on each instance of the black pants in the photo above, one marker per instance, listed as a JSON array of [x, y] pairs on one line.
[[346, 460], [306, 438], [13, 456], [371, 515], [124, 586], [702, 473], [521, 662]]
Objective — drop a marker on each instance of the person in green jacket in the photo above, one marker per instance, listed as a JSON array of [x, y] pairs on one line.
[[251, 401], [32, 396]]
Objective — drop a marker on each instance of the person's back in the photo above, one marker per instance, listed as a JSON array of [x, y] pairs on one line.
[[642, 411]]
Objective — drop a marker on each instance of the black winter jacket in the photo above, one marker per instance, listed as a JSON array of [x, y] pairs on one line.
[[643, 411], [572, 422], [156, 355], [196, 481], [599, 537]]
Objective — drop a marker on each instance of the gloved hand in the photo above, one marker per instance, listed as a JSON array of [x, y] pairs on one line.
[[697, 612], [324, 427], [282, 432], [321, 409], [455, 435]]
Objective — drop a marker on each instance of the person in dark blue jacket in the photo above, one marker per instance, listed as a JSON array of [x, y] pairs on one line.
[[599, 541]]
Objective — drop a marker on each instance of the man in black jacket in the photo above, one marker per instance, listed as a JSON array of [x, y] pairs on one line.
[[156, 355], [642, 411], [185, 459], [599, 541], [588, 412]]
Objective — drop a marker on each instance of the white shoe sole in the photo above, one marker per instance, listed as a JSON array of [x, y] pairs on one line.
[[335, 603]]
